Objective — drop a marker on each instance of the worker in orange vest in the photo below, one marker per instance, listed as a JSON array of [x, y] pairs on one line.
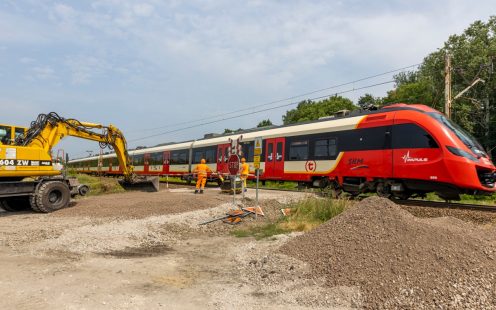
[[201, 170], [245, 170]]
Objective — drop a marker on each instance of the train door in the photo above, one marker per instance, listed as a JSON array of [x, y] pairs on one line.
[[222, 157], [274, 158], [166, 162]]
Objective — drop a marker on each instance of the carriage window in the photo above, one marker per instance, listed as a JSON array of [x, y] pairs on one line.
[[179, 158], [139, 160], [156, 158], [412, 136], [325, 148], [183, 158], [226, 158], [198, 157], [298, 150], [248, 151], [210, 156]]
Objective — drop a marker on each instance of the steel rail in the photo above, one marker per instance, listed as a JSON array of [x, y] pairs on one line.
[[445, 205]]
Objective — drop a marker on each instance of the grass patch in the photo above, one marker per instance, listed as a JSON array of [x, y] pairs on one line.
[[172, 179], [273, 185], [304, 215], [99, 185]]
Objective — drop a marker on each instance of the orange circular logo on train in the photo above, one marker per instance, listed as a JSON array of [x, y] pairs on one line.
[[310, 166]]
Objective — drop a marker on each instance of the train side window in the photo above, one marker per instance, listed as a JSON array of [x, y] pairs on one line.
[[174, 158], [197, 157], [298, 150], [156, 158], [325, 148], [210, 156], [183, 158], [248, 151], [226, 157], [412, 136], [139, 160]]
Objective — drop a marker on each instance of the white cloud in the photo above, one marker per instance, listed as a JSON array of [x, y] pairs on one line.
[[143, 9], [26, 60], [84, 68], [43, 72]]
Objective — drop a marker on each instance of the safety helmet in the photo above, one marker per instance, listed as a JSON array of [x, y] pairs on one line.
[[203, 161], [243, 160]]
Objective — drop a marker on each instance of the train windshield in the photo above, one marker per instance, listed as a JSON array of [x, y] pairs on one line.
[[466, 138]]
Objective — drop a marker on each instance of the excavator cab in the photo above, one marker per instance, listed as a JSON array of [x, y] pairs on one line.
[[9, 133]]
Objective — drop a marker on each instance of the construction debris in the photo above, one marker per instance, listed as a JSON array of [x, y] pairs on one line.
[[235, 216]]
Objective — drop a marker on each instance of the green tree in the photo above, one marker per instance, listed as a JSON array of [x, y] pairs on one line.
[[311, 110], [265, 123], [473, 55], [367, 100]]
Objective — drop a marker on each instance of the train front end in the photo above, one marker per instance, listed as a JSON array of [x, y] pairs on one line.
[[468, 164]]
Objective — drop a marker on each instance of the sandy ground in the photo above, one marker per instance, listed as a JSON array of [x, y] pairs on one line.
[[146, 251]]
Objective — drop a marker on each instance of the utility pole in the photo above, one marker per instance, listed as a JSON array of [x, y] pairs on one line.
[[447, 85], [448, 95]]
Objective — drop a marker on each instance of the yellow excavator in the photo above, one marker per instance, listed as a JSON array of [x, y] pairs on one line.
[[28, 176]]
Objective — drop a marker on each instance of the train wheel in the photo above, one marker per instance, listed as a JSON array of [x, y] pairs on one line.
[[383, 190]]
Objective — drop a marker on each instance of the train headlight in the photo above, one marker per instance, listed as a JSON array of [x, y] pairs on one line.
[[461, 153]]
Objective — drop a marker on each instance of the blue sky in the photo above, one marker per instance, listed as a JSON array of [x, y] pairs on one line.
[[146, 64]]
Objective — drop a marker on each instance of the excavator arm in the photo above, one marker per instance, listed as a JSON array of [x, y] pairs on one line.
[[49, 129]]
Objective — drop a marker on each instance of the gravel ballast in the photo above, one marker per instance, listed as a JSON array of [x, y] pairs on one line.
[[400, 261]]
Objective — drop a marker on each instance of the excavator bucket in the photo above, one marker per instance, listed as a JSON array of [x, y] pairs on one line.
[[141, 183]]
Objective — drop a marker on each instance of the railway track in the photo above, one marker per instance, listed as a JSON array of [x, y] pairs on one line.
[[445, 205], [409, 202]]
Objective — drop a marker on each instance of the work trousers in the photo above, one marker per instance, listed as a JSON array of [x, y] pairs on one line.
[[200, 183]]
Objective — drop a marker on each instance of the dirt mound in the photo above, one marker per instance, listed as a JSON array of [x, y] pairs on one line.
[[400, 261]]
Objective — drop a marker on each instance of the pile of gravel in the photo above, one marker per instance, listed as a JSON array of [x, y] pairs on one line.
[[400, 261]]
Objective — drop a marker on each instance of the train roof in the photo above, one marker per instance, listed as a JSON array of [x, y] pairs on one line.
[[334, 123]]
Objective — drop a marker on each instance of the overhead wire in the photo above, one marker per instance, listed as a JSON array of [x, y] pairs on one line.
[[258, 111], [285, 99]]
